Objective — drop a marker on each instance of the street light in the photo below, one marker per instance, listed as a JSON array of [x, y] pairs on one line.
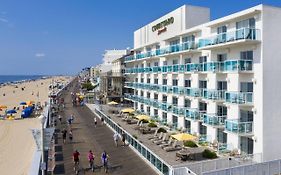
[[43, 165]]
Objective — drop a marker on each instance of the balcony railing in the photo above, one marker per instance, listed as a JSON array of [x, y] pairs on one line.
[[231, 36], [214, 120], [238, 127], [163, 51], [239, 97], [211, 94], [194, 114], [224, 67]]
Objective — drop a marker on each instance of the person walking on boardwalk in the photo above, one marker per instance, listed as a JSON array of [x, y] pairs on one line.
[[60, 118], [96, 122], [116, 138], [104, 159], [91, 158], [72, 118], [70, 135], [102, 120], [75, 157], [64, 135], [123, 138]]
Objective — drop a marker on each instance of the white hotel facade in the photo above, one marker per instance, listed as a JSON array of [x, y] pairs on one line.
[[219, 79]]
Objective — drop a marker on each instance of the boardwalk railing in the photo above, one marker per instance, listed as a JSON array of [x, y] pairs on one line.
[[37, 158], [156, 162]]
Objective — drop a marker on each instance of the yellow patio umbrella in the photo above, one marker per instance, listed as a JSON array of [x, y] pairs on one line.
[[3, 107], [143, 117], [112, 103], [127, 110], [30, 102], [183, 137]]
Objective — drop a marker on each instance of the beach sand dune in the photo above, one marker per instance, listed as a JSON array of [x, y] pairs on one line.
[[17, 146]]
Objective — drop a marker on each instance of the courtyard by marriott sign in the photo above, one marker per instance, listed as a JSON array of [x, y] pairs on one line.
[[161, 27]]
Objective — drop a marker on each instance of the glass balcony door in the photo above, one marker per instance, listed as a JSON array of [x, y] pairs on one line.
[[246, 145]]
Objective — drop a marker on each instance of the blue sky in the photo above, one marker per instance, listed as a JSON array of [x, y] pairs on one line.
[[63, 36]]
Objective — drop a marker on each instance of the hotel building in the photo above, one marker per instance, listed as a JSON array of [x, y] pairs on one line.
[[217, 79]]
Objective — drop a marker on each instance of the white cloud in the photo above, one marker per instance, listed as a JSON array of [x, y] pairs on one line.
[[4, 20], [40, 55]]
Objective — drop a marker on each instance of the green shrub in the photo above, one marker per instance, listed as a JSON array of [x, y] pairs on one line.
[[190, 144], [136, 137], [209, 154], [144, 121], [88, 86], [152, 125], [161, 130]]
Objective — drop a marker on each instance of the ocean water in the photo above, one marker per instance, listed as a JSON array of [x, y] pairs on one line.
[[13, 78]]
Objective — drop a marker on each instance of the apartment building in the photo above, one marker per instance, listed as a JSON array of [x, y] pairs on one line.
[[217, 79]]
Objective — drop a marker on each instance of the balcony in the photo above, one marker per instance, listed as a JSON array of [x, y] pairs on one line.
[[212, 94], [238, 65], [194, 114], [214, 120], [196, 92], [244, 98], [243, 35], [235, 126], [212, 66]]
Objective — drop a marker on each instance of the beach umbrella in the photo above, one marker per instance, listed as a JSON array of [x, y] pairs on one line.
[[30, 102], [183, 137], [23, 103], [3, 106], [127, 110], [143, 117], [12, 111], [112, 103]]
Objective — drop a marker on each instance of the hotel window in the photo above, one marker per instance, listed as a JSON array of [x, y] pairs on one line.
[[141, 80], [246, 55], [156, 63], [148, 110], [174, 42], [187, 60], [221, 31], [148, 95], [148, 65], [155, 112], [187, 83], [164, 81], [175, 82], [141, 106], [248, 23], [202, 59], [136, 80], [164, 116], [246, 116], [165, 63], [142, 93], [148, 80], [222, 85], [190, 38], [246, 87], [175, 62], [155, 96], [157, 47], [222, 110], [155, 80], [187, 103], [202, 84], [221, 57], [142, 65], [202, 106], [175, 101], [164, 98]]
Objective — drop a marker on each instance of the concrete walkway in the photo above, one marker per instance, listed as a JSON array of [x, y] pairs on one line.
[[86, 137]]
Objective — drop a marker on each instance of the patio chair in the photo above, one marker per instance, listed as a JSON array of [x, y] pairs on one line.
[[138, 126], [132, 122], [165, 137], [174, 147], [154, 135], [159, 137], [169, 143]]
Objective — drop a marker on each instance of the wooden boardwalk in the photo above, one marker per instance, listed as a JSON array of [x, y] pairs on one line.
[[86, 137]]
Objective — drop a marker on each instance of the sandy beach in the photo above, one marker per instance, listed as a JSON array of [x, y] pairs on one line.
[[17, 146]]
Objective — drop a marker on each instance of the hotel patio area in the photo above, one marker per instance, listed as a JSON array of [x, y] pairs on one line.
[[197, 164]]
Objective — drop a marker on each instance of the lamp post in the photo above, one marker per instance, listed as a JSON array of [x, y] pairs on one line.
[[43, 165]]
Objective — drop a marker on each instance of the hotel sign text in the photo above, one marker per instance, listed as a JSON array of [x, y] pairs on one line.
[[161, 27]]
